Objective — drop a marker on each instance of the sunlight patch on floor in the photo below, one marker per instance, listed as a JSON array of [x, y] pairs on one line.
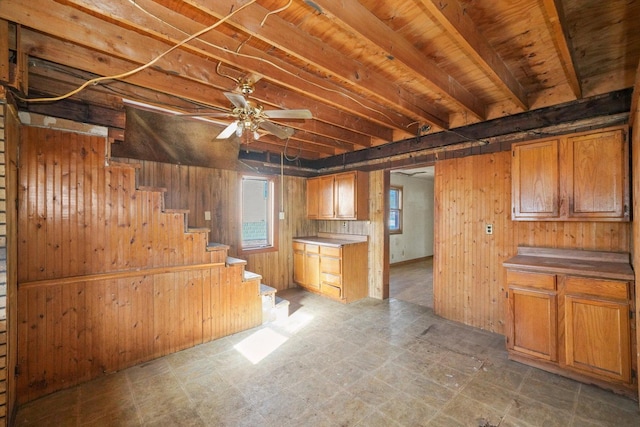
[[260, 344]]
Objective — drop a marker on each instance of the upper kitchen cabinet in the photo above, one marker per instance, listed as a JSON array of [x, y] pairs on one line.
[[578, 177], [342, 196]]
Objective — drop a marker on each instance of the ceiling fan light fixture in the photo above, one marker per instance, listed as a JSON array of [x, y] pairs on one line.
[[239, 129], [256, 135]]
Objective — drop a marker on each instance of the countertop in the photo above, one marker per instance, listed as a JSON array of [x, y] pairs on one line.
[[332, 240], [605, 265]]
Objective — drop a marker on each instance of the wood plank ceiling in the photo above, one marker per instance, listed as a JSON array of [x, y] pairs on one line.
[[371, 72]]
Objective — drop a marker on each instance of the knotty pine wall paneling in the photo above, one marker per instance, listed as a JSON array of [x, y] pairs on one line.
[[107, 278], [469, 280], [635, 197], [217, 191], [9, 137]]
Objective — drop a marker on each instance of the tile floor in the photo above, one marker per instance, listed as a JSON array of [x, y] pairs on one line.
[[412, 282], [370, 363]]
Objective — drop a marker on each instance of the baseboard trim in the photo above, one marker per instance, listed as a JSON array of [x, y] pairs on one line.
[[410, 261]]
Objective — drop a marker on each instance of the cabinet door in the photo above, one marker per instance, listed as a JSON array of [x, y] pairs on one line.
[[596, 184], [596, 328], [346, 190], [533, 323], [312, 270], [326, 197], [313, 198], [298, 266], [535, 180]]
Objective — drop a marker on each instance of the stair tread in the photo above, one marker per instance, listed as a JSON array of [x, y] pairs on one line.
[[125, 164], [231, 261], [197, 229], [281, 301], [266, 290], [216, 246], [248, 275], [149, 188]]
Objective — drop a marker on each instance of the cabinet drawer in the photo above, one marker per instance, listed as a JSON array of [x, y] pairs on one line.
[[331, 251], [330, 265], [331, 291], [314, 249], [298, 246], [597, 287], [332, 279], [531, 280]]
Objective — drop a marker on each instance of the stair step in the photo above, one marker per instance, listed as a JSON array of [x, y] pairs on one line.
[[198, 230], [281, 309], [248, 275], [267, 290], [216, 247], [233, 261], [124, 164], [148, 188]]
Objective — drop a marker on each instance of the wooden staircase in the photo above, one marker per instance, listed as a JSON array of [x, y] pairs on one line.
[[108, 276]]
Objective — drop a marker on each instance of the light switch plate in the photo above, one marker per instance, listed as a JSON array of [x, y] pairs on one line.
[[207, 215]]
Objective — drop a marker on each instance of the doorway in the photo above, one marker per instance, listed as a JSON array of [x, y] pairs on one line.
[[411, 248]]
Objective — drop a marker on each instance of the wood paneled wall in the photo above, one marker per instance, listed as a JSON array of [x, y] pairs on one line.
[[106, 278], [469, 280], [8, 339], [217, 191]]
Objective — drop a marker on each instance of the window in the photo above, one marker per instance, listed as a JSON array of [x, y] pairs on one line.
[[258, 227], [395, 210]]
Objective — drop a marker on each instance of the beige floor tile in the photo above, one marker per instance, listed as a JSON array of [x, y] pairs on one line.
[[368, 363]]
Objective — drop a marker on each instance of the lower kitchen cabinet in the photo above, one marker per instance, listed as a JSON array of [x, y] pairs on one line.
[[332, 267], [533, 315], [597, 327], [569, 312]]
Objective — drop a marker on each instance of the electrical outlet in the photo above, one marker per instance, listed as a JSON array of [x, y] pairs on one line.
[[281, 215], [488, 228], [207, 215], [344, 224]]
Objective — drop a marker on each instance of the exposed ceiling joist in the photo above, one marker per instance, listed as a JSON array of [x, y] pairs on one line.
[[373, 74], [561, 41], [452, 16]]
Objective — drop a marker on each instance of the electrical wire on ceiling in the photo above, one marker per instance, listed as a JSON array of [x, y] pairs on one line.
[[124, 93], [102, 79], [142, 67], [268, 62]]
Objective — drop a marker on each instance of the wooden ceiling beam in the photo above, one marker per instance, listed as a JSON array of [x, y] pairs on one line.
[[556, 21], [167, 26], [452, 16], [260, 147], [610, 104], [361, 21], [309, 50], [378, 131]]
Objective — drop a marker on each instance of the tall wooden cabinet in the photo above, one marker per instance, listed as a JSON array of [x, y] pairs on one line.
[[569, 312], [578, 177], [342, 196]]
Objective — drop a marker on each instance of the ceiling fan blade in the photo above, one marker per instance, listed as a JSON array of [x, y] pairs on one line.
[[211, 114], [288, 114], [279, 131], [237, 100], [228, 131]]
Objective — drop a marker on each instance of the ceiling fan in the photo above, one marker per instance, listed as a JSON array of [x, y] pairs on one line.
[[251, 116]]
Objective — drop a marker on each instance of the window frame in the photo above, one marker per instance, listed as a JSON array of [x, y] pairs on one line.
[[399, 209], [272, 219]]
